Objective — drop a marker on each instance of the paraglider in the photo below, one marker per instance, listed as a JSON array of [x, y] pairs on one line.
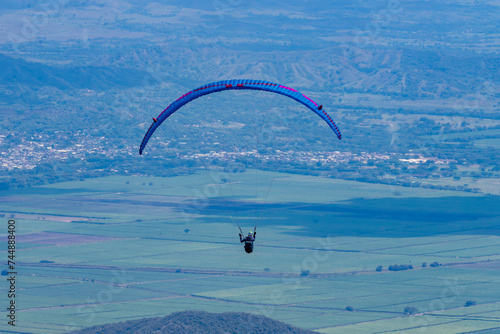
[[248, 240], [239, 84]]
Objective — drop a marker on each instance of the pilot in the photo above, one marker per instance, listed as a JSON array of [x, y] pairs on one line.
[[248, 240]]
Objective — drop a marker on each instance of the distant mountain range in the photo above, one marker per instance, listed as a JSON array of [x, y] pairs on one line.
[[16, 71], [199, 322]]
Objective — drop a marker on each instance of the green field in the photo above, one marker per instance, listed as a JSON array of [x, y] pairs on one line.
[[131, 247], [485, 143], [470, 134]]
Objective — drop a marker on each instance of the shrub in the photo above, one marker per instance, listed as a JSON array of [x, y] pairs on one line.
[[409, 310], [398, 267]]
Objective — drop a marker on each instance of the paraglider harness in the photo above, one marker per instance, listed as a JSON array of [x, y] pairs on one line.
[[248, 240]]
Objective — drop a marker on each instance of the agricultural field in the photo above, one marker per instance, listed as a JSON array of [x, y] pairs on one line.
[[487, 143], [118, 248]]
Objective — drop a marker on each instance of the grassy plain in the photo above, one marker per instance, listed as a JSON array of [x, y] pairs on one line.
[[485, 143], [133, 247]]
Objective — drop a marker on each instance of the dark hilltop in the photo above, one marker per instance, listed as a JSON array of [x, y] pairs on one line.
[[201, 322]]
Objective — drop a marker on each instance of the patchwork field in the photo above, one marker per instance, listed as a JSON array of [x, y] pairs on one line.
[[119, 248]]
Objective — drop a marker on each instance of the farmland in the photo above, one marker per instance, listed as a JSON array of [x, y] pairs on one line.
[[126, 247]]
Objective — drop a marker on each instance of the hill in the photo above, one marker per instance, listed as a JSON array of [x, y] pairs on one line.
[[194, 322], [31, 74]]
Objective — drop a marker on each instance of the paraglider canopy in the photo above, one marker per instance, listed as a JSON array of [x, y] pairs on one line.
[[235, 85]]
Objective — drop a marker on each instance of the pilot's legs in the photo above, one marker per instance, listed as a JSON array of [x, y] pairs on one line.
[[249, 248]]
